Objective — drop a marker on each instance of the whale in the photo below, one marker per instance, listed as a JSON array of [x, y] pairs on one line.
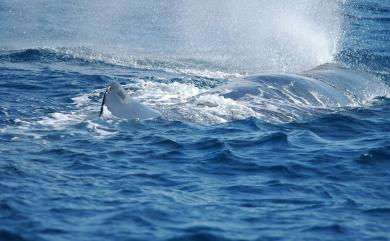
[[330, 85], [276, 97], [283, 97], [122, 106]]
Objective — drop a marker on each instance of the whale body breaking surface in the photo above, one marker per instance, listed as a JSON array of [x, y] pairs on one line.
[[326, 86], [122, 106]]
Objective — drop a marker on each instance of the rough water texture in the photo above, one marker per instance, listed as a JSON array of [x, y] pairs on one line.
[[269, 161]]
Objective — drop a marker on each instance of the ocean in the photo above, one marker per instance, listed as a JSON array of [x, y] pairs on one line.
[[275, 120]]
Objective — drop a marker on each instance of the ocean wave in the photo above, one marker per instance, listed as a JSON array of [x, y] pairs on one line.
[[198, 234], [86, 56], [9, 235], [375, 156]]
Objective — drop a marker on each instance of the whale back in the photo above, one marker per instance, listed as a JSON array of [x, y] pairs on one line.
[[327, 85]]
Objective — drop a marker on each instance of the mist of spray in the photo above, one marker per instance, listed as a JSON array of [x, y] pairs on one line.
[[266, 35], [251, 35]]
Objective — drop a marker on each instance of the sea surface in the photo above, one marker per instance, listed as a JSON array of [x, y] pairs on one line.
[[213, 168]]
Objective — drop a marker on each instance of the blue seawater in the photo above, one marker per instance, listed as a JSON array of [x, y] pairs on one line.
[[214, 169]]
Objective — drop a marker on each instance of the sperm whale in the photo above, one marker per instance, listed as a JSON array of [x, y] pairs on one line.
[[122, 106]]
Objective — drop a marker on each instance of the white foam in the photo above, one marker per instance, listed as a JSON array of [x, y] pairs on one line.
[[190, 102], [162, 93], [60, 120], [21, 129], [86, 101], [82, 100], [99, 130], [209, 73]]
